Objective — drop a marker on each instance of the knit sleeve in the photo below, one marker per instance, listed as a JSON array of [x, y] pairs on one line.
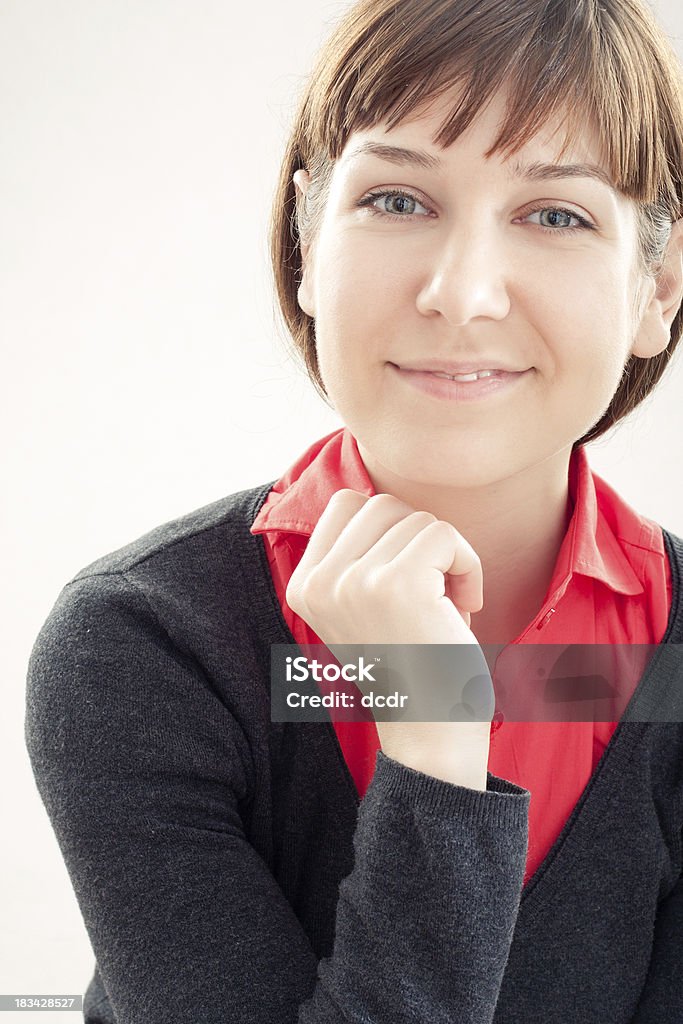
[[145, 772], [662, 995]]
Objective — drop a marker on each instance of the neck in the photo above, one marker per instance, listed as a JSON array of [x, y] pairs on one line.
[[515, 525]]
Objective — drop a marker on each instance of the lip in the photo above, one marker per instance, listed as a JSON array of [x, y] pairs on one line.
[[454, 391], [446, 366]]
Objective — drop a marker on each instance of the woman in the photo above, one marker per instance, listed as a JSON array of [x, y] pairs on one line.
[[230, 867]]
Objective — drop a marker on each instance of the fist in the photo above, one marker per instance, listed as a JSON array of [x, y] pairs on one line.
[[377, 571]]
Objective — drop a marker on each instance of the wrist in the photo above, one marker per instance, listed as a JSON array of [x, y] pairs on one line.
[[454, 752]]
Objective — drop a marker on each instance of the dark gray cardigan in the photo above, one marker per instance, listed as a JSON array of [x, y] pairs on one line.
[[226, 870]]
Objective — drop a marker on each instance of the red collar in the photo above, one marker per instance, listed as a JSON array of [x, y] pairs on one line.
[[592, 546]]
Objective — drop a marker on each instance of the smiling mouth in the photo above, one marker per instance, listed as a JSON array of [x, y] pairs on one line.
[[467, 374], [463, 378], [465, 387]]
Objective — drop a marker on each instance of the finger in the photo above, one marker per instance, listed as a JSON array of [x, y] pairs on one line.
[[342, 534], [366, 537], [465, 578], [436, 551], [340, 509], [406, 526]]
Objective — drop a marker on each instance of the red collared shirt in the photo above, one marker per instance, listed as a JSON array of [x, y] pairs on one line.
[[611, 585]]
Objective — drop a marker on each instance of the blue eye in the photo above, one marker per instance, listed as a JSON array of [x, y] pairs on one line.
[[583, 223], [408, 201], [406, 197]]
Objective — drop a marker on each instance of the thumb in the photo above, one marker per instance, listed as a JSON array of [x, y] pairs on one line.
[[464, 578]]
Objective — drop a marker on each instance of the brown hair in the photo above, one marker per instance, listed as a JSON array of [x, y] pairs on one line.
[[605, 60]]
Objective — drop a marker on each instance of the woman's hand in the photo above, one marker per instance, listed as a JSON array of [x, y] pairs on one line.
[[376, 571]]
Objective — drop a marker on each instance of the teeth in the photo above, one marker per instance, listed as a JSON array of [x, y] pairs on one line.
[[463, 378]]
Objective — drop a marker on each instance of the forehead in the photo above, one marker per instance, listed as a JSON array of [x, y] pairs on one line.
[[419, 131]]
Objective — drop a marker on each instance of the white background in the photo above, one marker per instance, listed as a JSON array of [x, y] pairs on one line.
[[143, 375]]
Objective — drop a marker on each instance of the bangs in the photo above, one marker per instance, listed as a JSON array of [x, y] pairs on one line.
[[580, 62]]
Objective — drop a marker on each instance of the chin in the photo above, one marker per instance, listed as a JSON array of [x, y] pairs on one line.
[[433, 471]]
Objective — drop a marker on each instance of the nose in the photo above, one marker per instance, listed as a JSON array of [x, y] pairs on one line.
[[467, 278]]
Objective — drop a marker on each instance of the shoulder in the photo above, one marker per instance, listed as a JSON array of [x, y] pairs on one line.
[[177, 597], [199, 531], [148, 652], [185, 573]]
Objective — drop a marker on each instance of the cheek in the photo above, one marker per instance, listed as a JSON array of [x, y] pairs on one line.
[[361, 306], [360, 273], [584, 322]]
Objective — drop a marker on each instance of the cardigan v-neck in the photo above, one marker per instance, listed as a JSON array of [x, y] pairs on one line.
[[610, 585]]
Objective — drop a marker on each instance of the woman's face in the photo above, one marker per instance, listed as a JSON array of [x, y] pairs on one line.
[[476, 266]]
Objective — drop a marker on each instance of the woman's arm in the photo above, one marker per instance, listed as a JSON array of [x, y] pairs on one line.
[[143, 771]]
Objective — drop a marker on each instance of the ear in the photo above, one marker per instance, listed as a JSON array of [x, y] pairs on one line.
[[302, 181], [666, 294]]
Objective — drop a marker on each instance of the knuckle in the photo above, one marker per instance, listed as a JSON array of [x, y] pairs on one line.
[[445, 527], [428, 517], [313, 589], [357, 583], [293, 594], [380, 580], [389, 503], [302, 593], [346, 497], [341, 495], [350, 581]]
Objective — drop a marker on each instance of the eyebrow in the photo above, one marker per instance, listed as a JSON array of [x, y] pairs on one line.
[[536, 171]]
